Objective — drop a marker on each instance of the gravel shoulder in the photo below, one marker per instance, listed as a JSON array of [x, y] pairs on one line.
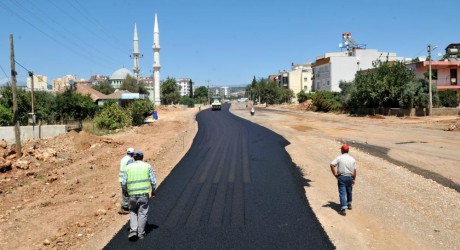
[[393, 207]]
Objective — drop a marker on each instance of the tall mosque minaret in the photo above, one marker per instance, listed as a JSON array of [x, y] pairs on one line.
[[156, 61], [136, 54]]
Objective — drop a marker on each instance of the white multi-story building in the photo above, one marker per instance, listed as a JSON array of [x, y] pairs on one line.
[[334, 67], [40, 82], [224, 92], [184, 84]]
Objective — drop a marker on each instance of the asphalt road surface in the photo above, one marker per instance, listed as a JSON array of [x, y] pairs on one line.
[[236, 188]]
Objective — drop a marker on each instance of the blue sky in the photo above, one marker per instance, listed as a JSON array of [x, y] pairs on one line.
[[224, 41]]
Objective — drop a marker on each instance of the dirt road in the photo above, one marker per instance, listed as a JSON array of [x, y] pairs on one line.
[[393, 206]]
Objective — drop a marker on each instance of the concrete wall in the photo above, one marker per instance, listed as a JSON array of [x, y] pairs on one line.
[[406, 112], [446, 111], [31, 132]]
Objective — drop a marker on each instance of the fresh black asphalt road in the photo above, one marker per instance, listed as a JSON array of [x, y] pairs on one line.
[[236, 188]]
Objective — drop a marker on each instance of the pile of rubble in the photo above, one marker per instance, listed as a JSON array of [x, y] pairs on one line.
[[306, 106], [454, 126], [30, 152]]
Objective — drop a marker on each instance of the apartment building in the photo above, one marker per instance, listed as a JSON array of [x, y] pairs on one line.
[[40, 82], [334, 67]]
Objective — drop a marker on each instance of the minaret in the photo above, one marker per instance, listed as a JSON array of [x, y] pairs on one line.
[[156, 62], [136, 54]]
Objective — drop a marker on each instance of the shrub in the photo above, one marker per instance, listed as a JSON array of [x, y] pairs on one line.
[[186, 100], [327, 101], [113, 117], [139, 110], [302, 96], [448, 98]]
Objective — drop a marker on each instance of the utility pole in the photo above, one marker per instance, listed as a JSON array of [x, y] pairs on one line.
[[15, 101], [31, 75], [430, 49], [209, 98]]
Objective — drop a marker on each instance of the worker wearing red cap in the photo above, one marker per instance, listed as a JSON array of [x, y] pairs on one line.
[[344, 169]]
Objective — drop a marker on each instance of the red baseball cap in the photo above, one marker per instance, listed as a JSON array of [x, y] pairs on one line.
[[345, 147]]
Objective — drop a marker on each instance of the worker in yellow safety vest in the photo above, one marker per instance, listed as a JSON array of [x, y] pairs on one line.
[[138, 182], [127, 159]]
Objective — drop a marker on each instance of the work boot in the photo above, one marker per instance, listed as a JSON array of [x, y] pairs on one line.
[[132, 234], [123, 211]]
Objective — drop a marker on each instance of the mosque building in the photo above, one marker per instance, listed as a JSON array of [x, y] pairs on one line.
[[117, 77]]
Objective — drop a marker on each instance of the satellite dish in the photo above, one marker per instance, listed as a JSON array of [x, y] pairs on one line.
[[340, 45], [440, 54]]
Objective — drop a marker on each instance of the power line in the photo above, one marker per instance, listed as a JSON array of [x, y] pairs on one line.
[[88, 17], [49, 36], [5, 73], [86, 27], [61, 34]]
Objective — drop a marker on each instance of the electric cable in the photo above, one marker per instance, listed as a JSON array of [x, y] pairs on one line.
[[61, 35]]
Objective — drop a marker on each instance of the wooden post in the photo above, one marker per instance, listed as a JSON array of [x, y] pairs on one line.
[[15, 102]]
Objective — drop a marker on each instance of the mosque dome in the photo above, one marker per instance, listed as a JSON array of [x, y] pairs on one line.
[[120, 74]]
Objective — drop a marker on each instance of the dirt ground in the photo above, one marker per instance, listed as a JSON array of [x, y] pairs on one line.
[[65, 193], [69, 195], [397, 204]]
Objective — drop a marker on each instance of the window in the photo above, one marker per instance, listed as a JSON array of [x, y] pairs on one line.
[[305, 79], [453, 76]]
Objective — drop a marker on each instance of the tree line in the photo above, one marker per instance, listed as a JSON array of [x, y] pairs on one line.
[[387, 85], [69, 106]]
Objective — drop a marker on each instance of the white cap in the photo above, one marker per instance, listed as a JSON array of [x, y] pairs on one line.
[[130, 151]]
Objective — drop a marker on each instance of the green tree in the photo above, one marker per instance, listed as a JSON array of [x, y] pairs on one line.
[[45, 107], [170, 91], [379, 87], [23, 98], [190, 90], [201, 94], [113, 117], [133, 86], [74, 106], [139, 110], [186, 100], [104, 87], [6, 116]]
